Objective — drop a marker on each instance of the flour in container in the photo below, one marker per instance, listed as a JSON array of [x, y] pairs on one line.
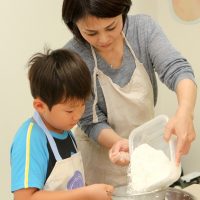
[[150, 169]]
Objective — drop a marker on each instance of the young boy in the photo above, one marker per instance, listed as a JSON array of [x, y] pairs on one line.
[[45, 163]]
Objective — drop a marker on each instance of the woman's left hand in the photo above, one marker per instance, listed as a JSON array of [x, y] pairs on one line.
[[119, 153], [182, 126]]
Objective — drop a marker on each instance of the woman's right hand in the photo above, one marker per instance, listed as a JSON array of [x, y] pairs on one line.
[[99, 192], [119, 153]]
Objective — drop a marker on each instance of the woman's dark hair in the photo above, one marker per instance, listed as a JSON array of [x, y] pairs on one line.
[[58, 76], [73, 10]]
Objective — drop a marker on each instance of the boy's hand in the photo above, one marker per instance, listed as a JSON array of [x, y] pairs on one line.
[[100, 192]]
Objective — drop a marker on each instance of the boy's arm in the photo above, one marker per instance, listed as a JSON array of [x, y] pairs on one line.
[[92, 192]]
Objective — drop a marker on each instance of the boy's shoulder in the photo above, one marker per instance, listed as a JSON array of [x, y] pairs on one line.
[[29, 129], [29, 143]]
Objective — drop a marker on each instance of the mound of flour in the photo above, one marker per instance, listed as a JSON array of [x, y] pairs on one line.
[[150, 169]]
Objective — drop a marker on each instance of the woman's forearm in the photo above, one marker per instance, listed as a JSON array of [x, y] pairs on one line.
[[108, 137], [181, 124], [186, 94]]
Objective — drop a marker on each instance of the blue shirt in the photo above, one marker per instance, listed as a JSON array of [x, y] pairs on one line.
[[31, 157]]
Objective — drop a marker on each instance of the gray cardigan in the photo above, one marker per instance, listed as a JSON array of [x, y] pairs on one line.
[[151, 47]]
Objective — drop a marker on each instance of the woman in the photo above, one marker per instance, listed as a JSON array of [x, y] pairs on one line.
[[122, 52]]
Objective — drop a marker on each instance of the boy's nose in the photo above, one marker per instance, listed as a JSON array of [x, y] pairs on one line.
[[76, 117]]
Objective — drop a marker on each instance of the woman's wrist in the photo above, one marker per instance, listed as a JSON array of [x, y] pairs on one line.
[[108, 137], [185, 111]]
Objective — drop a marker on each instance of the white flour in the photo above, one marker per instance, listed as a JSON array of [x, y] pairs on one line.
[[150, 169]]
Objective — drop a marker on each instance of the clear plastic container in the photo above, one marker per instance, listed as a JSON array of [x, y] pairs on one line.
[[152, 133]]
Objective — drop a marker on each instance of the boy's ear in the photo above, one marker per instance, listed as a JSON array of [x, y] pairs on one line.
[[39, 105]]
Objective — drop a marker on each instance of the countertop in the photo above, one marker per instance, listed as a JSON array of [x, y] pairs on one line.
[[193, 189]]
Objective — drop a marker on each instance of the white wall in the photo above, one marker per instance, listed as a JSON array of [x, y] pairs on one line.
[[25, 26]]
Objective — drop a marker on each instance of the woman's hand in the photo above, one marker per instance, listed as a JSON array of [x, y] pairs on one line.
[[119, 153], [181, 126]]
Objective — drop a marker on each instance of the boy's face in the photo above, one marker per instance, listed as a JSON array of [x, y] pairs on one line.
[[63, 116]]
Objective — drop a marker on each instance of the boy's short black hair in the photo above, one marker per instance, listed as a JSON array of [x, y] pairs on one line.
[[57, 76]]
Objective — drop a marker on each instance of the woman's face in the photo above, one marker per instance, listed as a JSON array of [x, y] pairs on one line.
[[101, 33]]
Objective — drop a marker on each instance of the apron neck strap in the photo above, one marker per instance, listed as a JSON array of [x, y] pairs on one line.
[[73, 140], [95, 118], [130, 48], [52, 143]]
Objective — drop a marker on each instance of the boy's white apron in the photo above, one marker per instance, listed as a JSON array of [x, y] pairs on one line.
[[127, 108], [67, 173]]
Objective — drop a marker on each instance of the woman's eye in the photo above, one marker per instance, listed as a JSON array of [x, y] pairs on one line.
[[110, 29]]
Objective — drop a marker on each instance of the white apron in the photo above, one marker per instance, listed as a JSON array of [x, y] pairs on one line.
[[127, 108], [68, 173]]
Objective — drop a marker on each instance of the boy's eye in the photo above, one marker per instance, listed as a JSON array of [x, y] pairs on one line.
[[91, 34], [69, 111]]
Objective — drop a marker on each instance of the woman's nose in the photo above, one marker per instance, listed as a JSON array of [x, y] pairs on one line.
[[103, 39]]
